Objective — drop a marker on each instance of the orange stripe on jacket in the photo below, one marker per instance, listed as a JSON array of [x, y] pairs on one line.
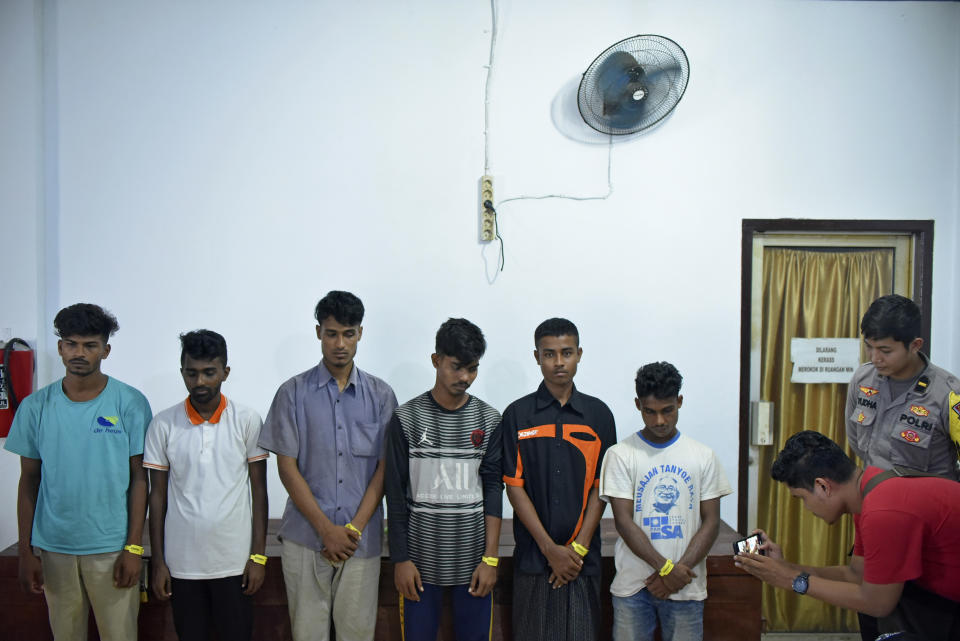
[[540, 431], [591, 452]]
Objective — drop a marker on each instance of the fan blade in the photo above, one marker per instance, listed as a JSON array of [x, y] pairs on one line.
[[627, 113], [615, 75], [619, 79], [639, 99], [655, 73]]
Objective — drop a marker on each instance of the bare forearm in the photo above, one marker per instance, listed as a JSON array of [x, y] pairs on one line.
[[27, 492], [877, 601], [136, 501], [492, 535], [631, 533], [158, 514], [700, 543], [258, 492], [841, 573], [591, 518], [371, 498]]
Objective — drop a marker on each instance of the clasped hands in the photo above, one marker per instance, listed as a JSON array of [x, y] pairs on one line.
[[339, 543], [663, 586]]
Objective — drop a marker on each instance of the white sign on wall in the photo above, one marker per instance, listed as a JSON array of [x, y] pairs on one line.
[[824, 360]]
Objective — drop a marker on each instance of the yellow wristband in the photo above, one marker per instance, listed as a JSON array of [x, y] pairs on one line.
[[353, 528], [492, 561], [579, 549], [667, 567], [259, 559], [134, 549]]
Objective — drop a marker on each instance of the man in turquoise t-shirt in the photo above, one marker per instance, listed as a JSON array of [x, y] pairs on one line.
[[83, 491]]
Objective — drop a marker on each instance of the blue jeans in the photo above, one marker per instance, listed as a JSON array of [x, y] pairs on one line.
[[635, 618], [472, 616]]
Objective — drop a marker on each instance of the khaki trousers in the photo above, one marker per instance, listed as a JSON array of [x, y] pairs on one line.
[[316, 590], [74, 583]]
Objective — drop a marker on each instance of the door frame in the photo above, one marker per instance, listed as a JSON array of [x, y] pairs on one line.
[[922, 232]]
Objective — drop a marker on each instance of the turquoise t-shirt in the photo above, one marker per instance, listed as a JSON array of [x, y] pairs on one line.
[[85, 451]]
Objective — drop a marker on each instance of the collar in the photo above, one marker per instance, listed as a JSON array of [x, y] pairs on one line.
[[325, 376], [545, 399], [196, 419], [659, 446]]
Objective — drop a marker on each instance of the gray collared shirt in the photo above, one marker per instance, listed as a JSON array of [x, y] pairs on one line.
[[337, 438], [911, 429]]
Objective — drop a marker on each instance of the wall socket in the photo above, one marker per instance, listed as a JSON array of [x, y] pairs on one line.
[[488, 217]]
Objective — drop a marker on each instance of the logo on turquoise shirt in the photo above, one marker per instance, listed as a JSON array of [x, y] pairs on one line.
[[107, 424]]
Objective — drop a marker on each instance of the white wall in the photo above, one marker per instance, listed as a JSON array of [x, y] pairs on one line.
[[21, 218], [223, 165]]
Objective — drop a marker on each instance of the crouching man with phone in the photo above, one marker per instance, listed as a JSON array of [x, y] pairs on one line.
[[905, 567]]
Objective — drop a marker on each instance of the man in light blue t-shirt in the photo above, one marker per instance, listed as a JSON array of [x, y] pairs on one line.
[[83, 490]]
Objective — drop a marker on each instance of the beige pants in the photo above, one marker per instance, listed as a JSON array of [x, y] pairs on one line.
[[74, 583], [315, 589]]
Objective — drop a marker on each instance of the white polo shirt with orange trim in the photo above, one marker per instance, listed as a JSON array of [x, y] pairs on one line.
[[209, 516]]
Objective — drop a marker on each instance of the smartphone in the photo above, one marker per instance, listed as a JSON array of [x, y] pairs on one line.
[[750, 544]]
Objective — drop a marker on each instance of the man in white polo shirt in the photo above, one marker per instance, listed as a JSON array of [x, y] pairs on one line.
[[208, 499]]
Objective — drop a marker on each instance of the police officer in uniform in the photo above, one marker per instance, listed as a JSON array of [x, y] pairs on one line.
[[902, 410]]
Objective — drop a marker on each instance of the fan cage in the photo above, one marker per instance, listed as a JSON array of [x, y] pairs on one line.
[[657, 55]]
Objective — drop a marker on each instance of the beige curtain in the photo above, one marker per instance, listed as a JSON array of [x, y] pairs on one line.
[[809, 294]]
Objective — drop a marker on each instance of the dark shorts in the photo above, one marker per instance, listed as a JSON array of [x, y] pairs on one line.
[[570, 613], [211, 604]]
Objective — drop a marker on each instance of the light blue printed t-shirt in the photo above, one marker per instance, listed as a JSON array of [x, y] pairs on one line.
[[85, 451]]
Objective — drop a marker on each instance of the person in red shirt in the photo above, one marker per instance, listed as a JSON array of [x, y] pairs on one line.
[[905, 567]]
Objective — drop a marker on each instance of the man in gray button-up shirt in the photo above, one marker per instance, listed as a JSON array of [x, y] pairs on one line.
[[326, 427]]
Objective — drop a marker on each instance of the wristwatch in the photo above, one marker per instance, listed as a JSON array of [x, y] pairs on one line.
[[801, 582]]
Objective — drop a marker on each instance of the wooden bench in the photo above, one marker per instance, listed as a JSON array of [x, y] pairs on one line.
[[731, 613]]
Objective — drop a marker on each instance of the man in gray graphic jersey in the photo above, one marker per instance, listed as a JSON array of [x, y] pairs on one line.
[[444, 494]]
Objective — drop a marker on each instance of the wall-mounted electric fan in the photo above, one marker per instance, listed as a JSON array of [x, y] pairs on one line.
[[633, 85]]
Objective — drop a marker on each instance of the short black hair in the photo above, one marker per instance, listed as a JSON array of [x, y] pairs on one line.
[[345, 308], [461, 339], [895, 316], [203, 345], [555, 327], [85, 319], [661, 380], [810, 455]]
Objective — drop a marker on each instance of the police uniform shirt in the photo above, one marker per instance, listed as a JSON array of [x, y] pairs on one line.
[[912, 429]]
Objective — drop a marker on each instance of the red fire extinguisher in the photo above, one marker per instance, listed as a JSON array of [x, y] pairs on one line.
[[16, 380]]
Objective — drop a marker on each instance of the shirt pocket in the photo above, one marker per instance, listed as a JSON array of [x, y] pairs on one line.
[[864, 415], [912, 434], [366, 439]]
